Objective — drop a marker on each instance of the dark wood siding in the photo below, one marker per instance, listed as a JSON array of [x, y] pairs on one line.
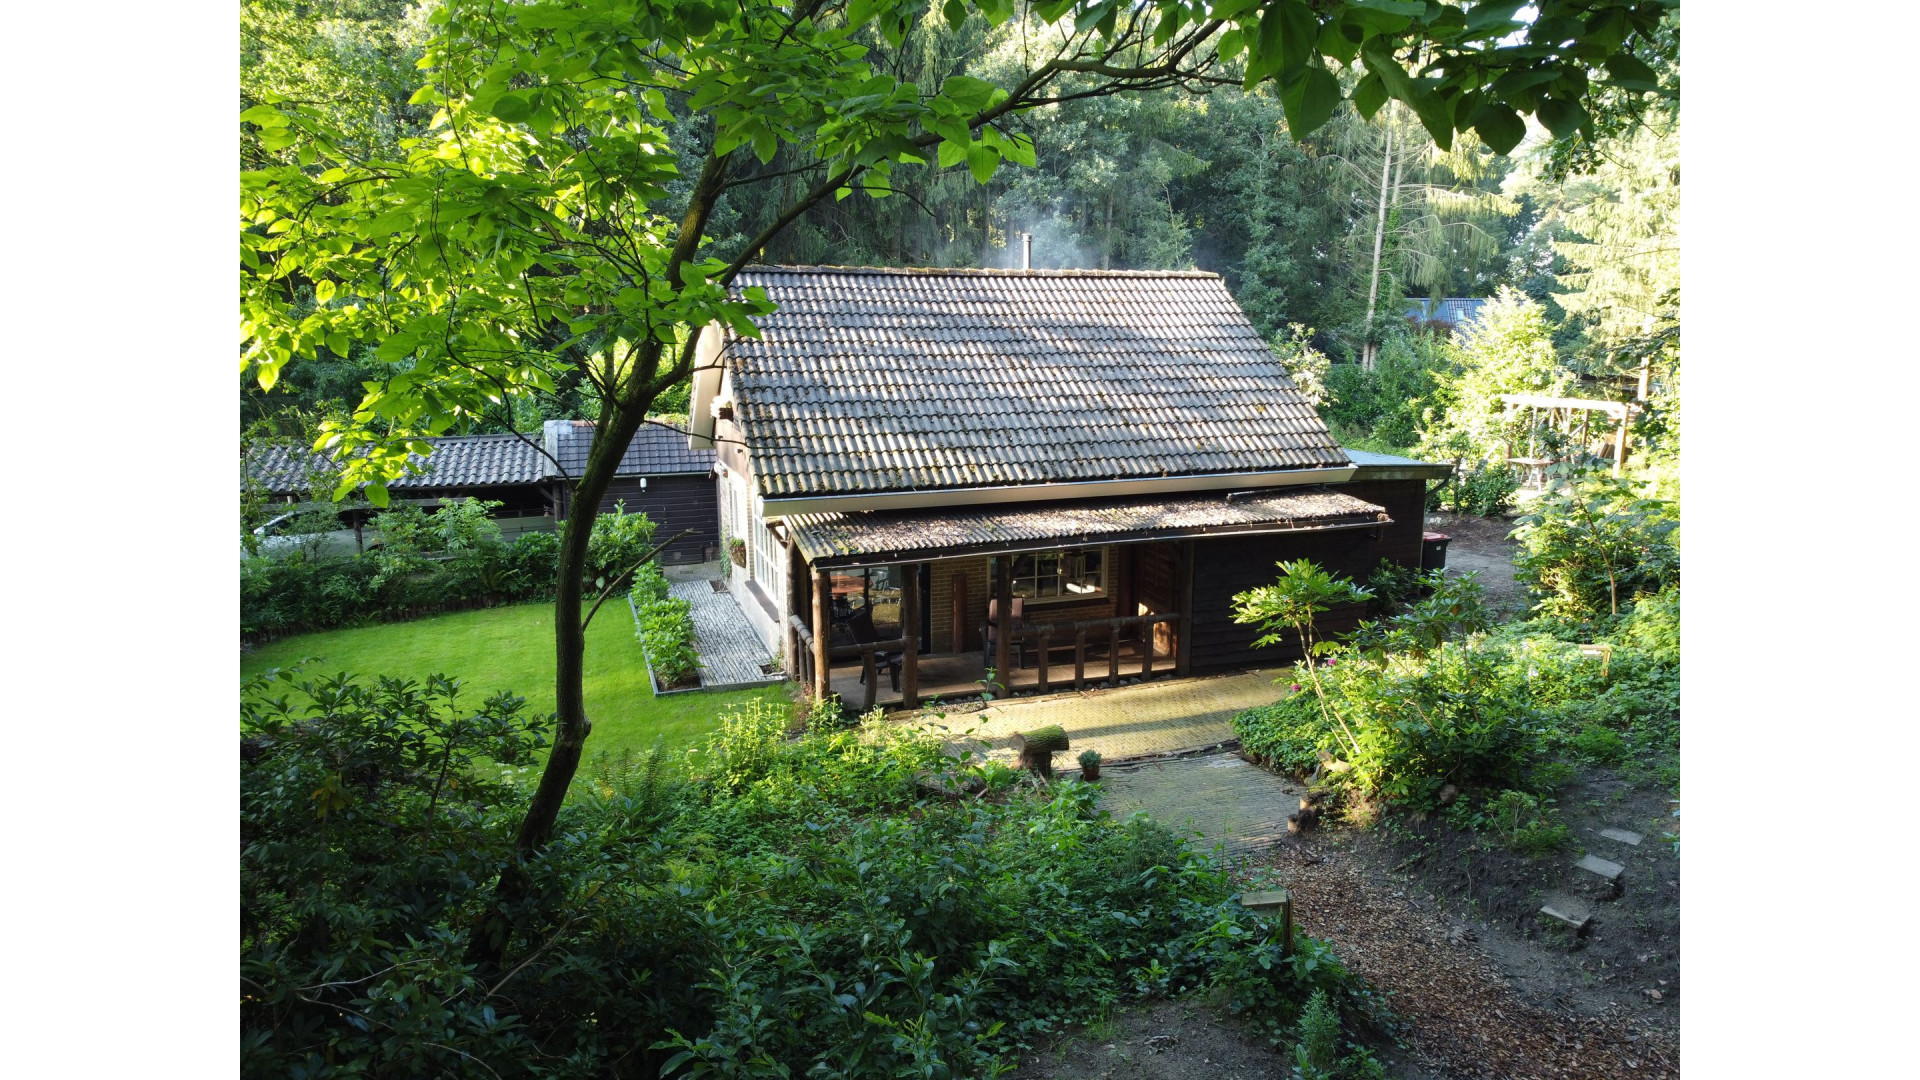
[[674, 503], [1234, 564]]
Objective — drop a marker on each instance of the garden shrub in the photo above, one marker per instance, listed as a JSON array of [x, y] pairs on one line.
[[1483, 488], [665, 629], [1499, 711], [451, 557], [618, 543], [1593, 547], [1452, 608], [805, 907]]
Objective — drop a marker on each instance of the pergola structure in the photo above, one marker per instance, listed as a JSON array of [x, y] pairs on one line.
[[1571, 416]]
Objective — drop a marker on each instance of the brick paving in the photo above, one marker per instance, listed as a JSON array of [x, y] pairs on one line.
[[730, 652], [1159, 717], [1219, 796]]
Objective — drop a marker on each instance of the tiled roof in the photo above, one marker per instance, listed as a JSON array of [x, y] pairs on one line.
[[840, 537], [872, 380], [654, 451], [457, 461]]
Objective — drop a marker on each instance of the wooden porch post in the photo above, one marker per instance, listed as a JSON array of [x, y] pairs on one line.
[[1183, 639], [910, 629], [1002, 633], [822, 635]]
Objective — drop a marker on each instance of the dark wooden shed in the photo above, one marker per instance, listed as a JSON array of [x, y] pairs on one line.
[[658, 476]]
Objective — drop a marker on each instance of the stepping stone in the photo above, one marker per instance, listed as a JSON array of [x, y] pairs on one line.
[[1631, 839], [1605, 868], [1567, 911]]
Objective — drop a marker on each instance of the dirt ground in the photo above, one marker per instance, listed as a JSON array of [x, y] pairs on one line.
[[1480, 543], [1478, 985]]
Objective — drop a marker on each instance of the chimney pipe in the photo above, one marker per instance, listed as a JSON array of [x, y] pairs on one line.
[[1026, 251]]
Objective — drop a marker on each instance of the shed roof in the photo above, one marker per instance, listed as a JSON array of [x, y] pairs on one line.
[[473, 461], [654, 451], [888, 535], [457, 461], [1372, 466], [869, 381]]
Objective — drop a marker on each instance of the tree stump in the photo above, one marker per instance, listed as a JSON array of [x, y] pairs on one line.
[[1037, 748]]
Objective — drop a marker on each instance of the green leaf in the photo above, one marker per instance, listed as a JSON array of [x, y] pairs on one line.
[[1493, 15], [697, 18], [765, 143], [956, 13], [513, 108], [1299, 32], [1562, 117], [1499, 127], [1094, 15], [968, 92], [1368, 95], [952, 129], [1019, 150], [952, 153], [1629, 72], [1266, 54], [982, 160], [323, 291], [1310, 100]]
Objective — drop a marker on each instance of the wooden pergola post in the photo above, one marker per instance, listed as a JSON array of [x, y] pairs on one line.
[[1183, 593], [1003, 630], [910, 629], [822, 635], [1620, 444]]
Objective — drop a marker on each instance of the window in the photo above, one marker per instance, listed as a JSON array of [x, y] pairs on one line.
[[1073, 574], [767, 556]]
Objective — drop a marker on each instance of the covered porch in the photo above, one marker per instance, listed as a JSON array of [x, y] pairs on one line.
[[894, 608]]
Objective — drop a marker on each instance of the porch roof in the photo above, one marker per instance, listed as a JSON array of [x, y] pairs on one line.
[[879, 537]]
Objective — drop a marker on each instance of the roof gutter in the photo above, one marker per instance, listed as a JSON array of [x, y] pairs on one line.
[[777, 508], [869, 560]]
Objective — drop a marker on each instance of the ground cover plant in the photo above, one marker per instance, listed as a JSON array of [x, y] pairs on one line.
[[847, 903], [512, 646], [1432, 709]]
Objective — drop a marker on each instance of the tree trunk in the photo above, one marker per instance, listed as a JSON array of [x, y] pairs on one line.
[[1368, 349]]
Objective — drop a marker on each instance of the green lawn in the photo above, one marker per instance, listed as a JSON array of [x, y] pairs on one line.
[[511, 648]]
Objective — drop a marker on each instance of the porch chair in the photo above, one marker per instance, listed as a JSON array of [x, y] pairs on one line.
[[989, 632], [861, 624]]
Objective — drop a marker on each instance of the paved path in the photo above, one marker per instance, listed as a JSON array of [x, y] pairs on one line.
[[730, 652], [1159, 717], [1220, 796]]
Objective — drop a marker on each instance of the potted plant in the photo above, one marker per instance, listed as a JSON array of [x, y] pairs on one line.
[[737, 551], [1090, 765]]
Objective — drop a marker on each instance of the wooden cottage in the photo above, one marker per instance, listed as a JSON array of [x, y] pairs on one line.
[[1064, 476]]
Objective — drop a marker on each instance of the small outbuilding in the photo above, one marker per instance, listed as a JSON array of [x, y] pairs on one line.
[[533, 480]]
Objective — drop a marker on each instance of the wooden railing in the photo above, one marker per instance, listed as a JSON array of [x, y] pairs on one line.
[[1038, 636], [869, 665], [1042, 635]]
